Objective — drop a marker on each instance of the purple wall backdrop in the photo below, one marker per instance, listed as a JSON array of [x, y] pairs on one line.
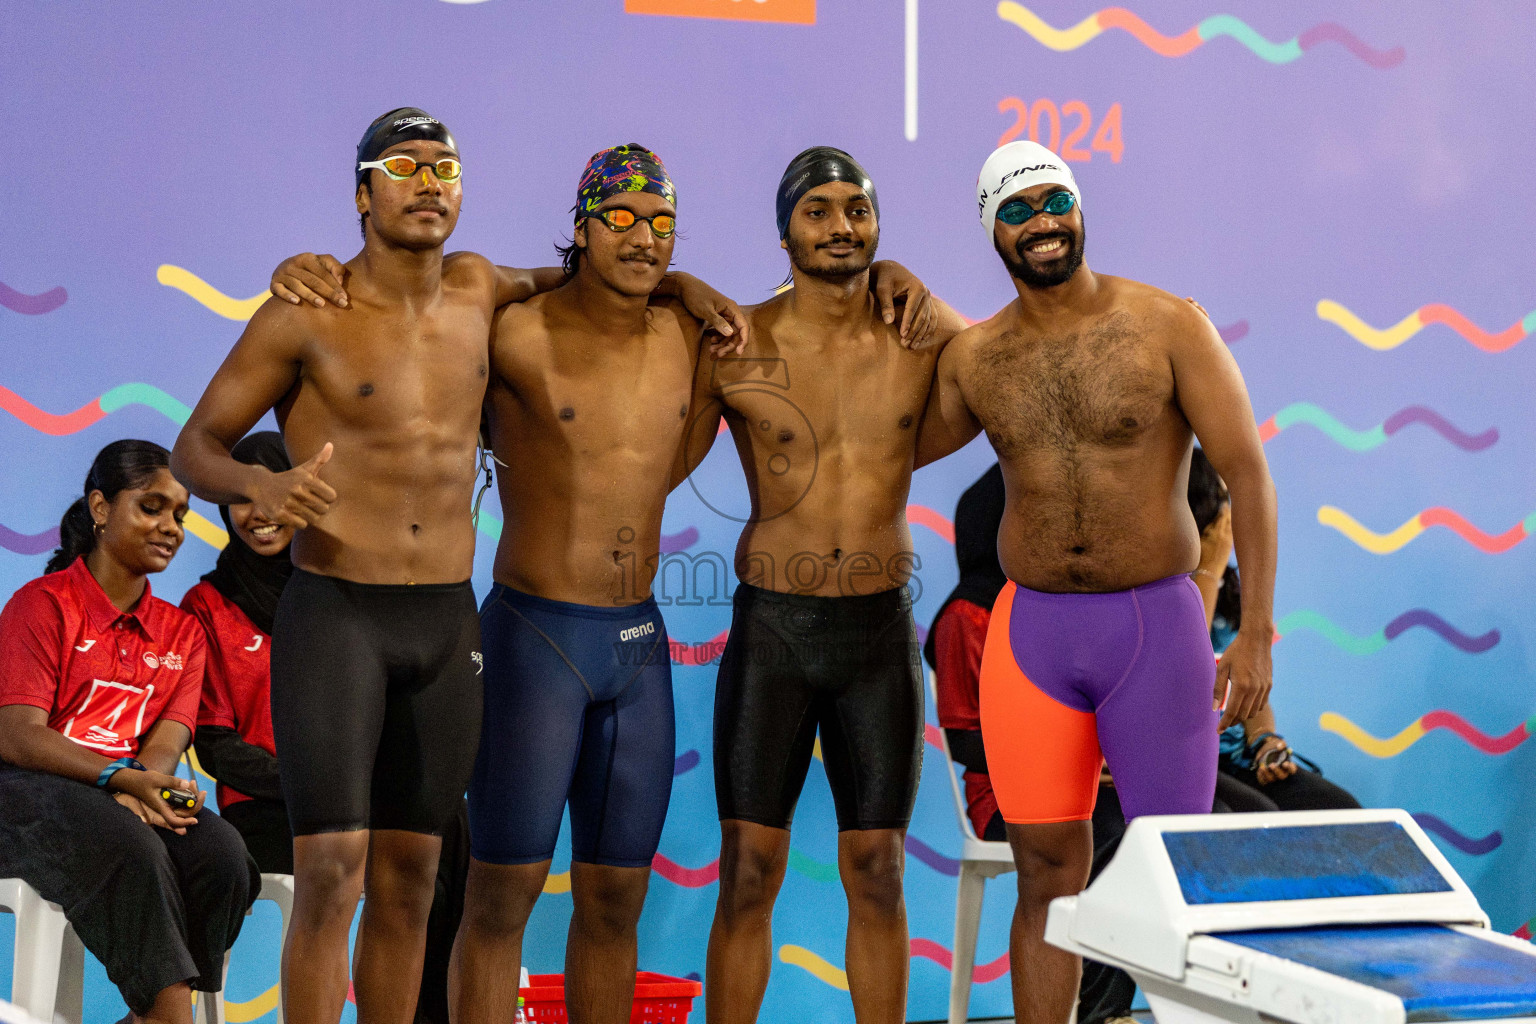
[[1313, 172]]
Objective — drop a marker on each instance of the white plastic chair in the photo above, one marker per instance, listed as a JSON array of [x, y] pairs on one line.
[[48, 965], [979, 861], [209, 1008]]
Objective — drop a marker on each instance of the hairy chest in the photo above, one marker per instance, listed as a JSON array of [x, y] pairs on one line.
[[1105, 384]]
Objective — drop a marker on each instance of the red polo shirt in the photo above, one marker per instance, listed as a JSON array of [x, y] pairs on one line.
[[105, 677], [959, 636], [238, 691]]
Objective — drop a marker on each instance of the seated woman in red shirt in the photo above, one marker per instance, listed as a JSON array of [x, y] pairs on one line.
[[99, 689]]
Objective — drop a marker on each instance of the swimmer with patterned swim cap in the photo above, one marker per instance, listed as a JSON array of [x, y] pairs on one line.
[[1091, 389], [822, 642]]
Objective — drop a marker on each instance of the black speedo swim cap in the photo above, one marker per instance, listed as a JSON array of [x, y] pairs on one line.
[[817, 166], [399, 125]]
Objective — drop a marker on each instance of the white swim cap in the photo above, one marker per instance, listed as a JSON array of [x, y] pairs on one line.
[[1013, 168]]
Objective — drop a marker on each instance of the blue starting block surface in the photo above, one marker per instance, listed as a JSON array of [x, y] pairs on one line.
[[1299, 862], [1439, 974]]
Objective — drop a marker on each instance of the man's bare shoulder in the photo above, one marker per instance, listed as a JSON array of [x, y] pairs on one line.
[[669, 316], [469, 270], [1152, 305], [982, 333]]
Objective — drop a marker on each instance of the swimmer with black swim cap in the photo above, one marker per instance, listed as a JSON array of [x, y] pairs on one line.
[[821, 638], [403, 124]]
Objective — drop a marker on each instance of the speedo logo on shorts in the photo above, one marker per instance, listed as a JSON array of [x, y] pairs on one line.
[[636, 632]]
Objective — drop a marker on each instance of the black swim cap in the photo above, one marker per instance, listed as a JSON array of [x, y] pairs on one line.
[[817, 166], [399, 125]]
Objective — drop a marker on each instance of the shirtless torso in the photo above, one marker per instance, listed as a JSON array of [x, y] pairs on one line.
[[1092, 442], [587, 427], [826, 427]]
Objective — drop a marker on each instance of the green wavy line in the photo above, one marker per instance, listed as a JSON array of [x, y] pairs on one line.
[[1308, 619], [1227, 25], [1317, 416], [812, 869], [145, 394]]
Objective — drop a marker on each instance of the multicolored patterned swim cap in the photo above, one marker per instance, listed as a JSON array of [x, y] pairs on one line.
[[631, 168]]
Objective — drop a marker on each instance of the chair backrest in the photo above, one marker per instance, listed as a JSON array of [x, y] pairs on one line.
[[949, 764]]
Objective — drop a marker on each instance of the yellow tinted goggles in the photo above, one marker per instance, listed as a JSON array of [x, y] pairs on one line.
[[400, 167]]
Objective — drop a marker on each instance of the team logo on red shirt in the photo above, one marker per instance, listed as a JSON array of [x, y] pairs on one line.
[[110, 717], [151, 660], [172, 661]]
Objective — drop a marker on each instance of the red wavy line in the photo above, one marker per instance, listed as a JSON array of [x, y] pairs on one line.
[[693, 878], [1151, 38], [1475, 736], [932, 735], [1452, 520], [1439, 313], [1268, 430], [922, 515], [699, 654], [980, 974], [47, 422]]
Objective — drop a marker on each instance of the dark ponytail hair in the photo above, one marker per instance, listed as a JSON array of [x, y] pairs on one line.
[[120, 466]]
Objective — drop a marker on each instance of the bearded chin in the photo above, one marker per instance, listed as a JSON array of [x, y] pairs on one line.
[[1059, 272], [804, 257]]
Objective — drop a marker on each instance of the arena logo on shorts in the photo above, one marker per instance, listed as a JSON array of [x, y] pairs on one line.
[[636, 632]]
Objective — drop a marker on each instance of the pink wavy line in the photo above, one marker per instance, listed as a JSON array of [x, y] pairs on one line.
[[1475, 736], [922, 515], [692, 878], [1453, 521], [1330, 31], [932, 735], [980, 974], [699, 654], [1450, 316], [1151, 38], [47, 422]]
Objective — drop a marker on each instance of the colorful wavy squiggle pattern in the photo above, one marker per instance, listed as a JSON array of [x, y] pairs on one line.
[[32, 305], [1362, 645], [1382, 339], [1365, 440], [93, 411], [818, 967], [1386, 543], [1421, 727], [28, 543], [1464, 843], [207, 295], [1210, 28]]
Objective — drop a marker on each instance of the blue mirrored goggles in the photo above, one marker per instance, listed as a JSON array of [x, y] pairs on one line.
[[1017, 211]]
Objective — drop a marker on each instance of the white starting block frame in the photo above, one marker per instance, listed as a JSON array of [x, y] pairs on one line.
[[1315, 917]]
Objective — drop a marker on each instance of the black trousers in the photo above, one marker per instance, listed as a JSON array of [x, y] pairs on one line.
[[1105, 991], [264, 825], [155, 908], [1240, 790]]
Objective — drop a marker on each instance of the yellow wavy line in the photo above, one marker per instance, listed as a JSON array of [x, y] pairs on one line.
[[1056, 38], [185, 281], [815, 965], [558, 882], [1364, 333], [206, 531], [1370, 744], [1375, 543], [239, 1013]]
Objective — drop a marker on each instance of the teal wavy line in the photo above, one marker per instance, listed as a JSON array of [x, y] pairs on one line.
[[1308, 619], [812, 869], [147, 395], [1227, 25], [1317, 416]]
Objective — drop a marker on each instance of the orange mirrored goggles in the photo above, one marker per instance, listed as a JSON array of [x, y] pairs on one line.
[[621, 220], [401, 166]]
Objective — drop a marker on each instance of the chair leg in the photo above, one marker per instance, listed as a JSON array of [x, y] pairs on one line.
[[967, 925], [70, 1001], [279, 889], [38, 958]]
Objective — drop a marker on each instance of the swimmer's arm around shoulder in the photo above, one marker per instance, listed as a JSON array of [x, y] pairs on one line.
[[893, 285], [948, 423], [719, 315], [1210, 392], [514, 285], [311, 278], [261, 368]]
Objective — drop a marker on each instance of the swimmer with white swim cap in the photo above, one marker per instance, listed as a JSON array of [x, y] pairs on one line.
[[1091, 389]]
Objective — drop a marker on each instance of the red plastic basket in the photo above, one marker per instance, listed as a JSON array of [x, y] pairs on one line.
[[659, 999]]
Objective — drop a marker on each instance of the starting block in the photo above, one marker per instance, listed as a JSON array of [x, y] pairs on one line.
[[1314, 917]]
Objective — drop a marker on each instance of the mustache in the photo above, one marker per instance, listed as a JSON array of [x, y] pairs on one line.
[[638, 257], [1024, 243], [856, 243], [431, 206]]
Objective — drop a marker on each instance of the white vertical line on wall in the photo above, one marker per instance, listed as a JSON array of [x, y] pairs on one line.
[[911, 70]]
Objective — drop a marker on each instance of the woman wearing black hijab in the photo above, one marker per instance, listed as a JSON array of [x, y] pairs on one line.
[[235, 603]]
